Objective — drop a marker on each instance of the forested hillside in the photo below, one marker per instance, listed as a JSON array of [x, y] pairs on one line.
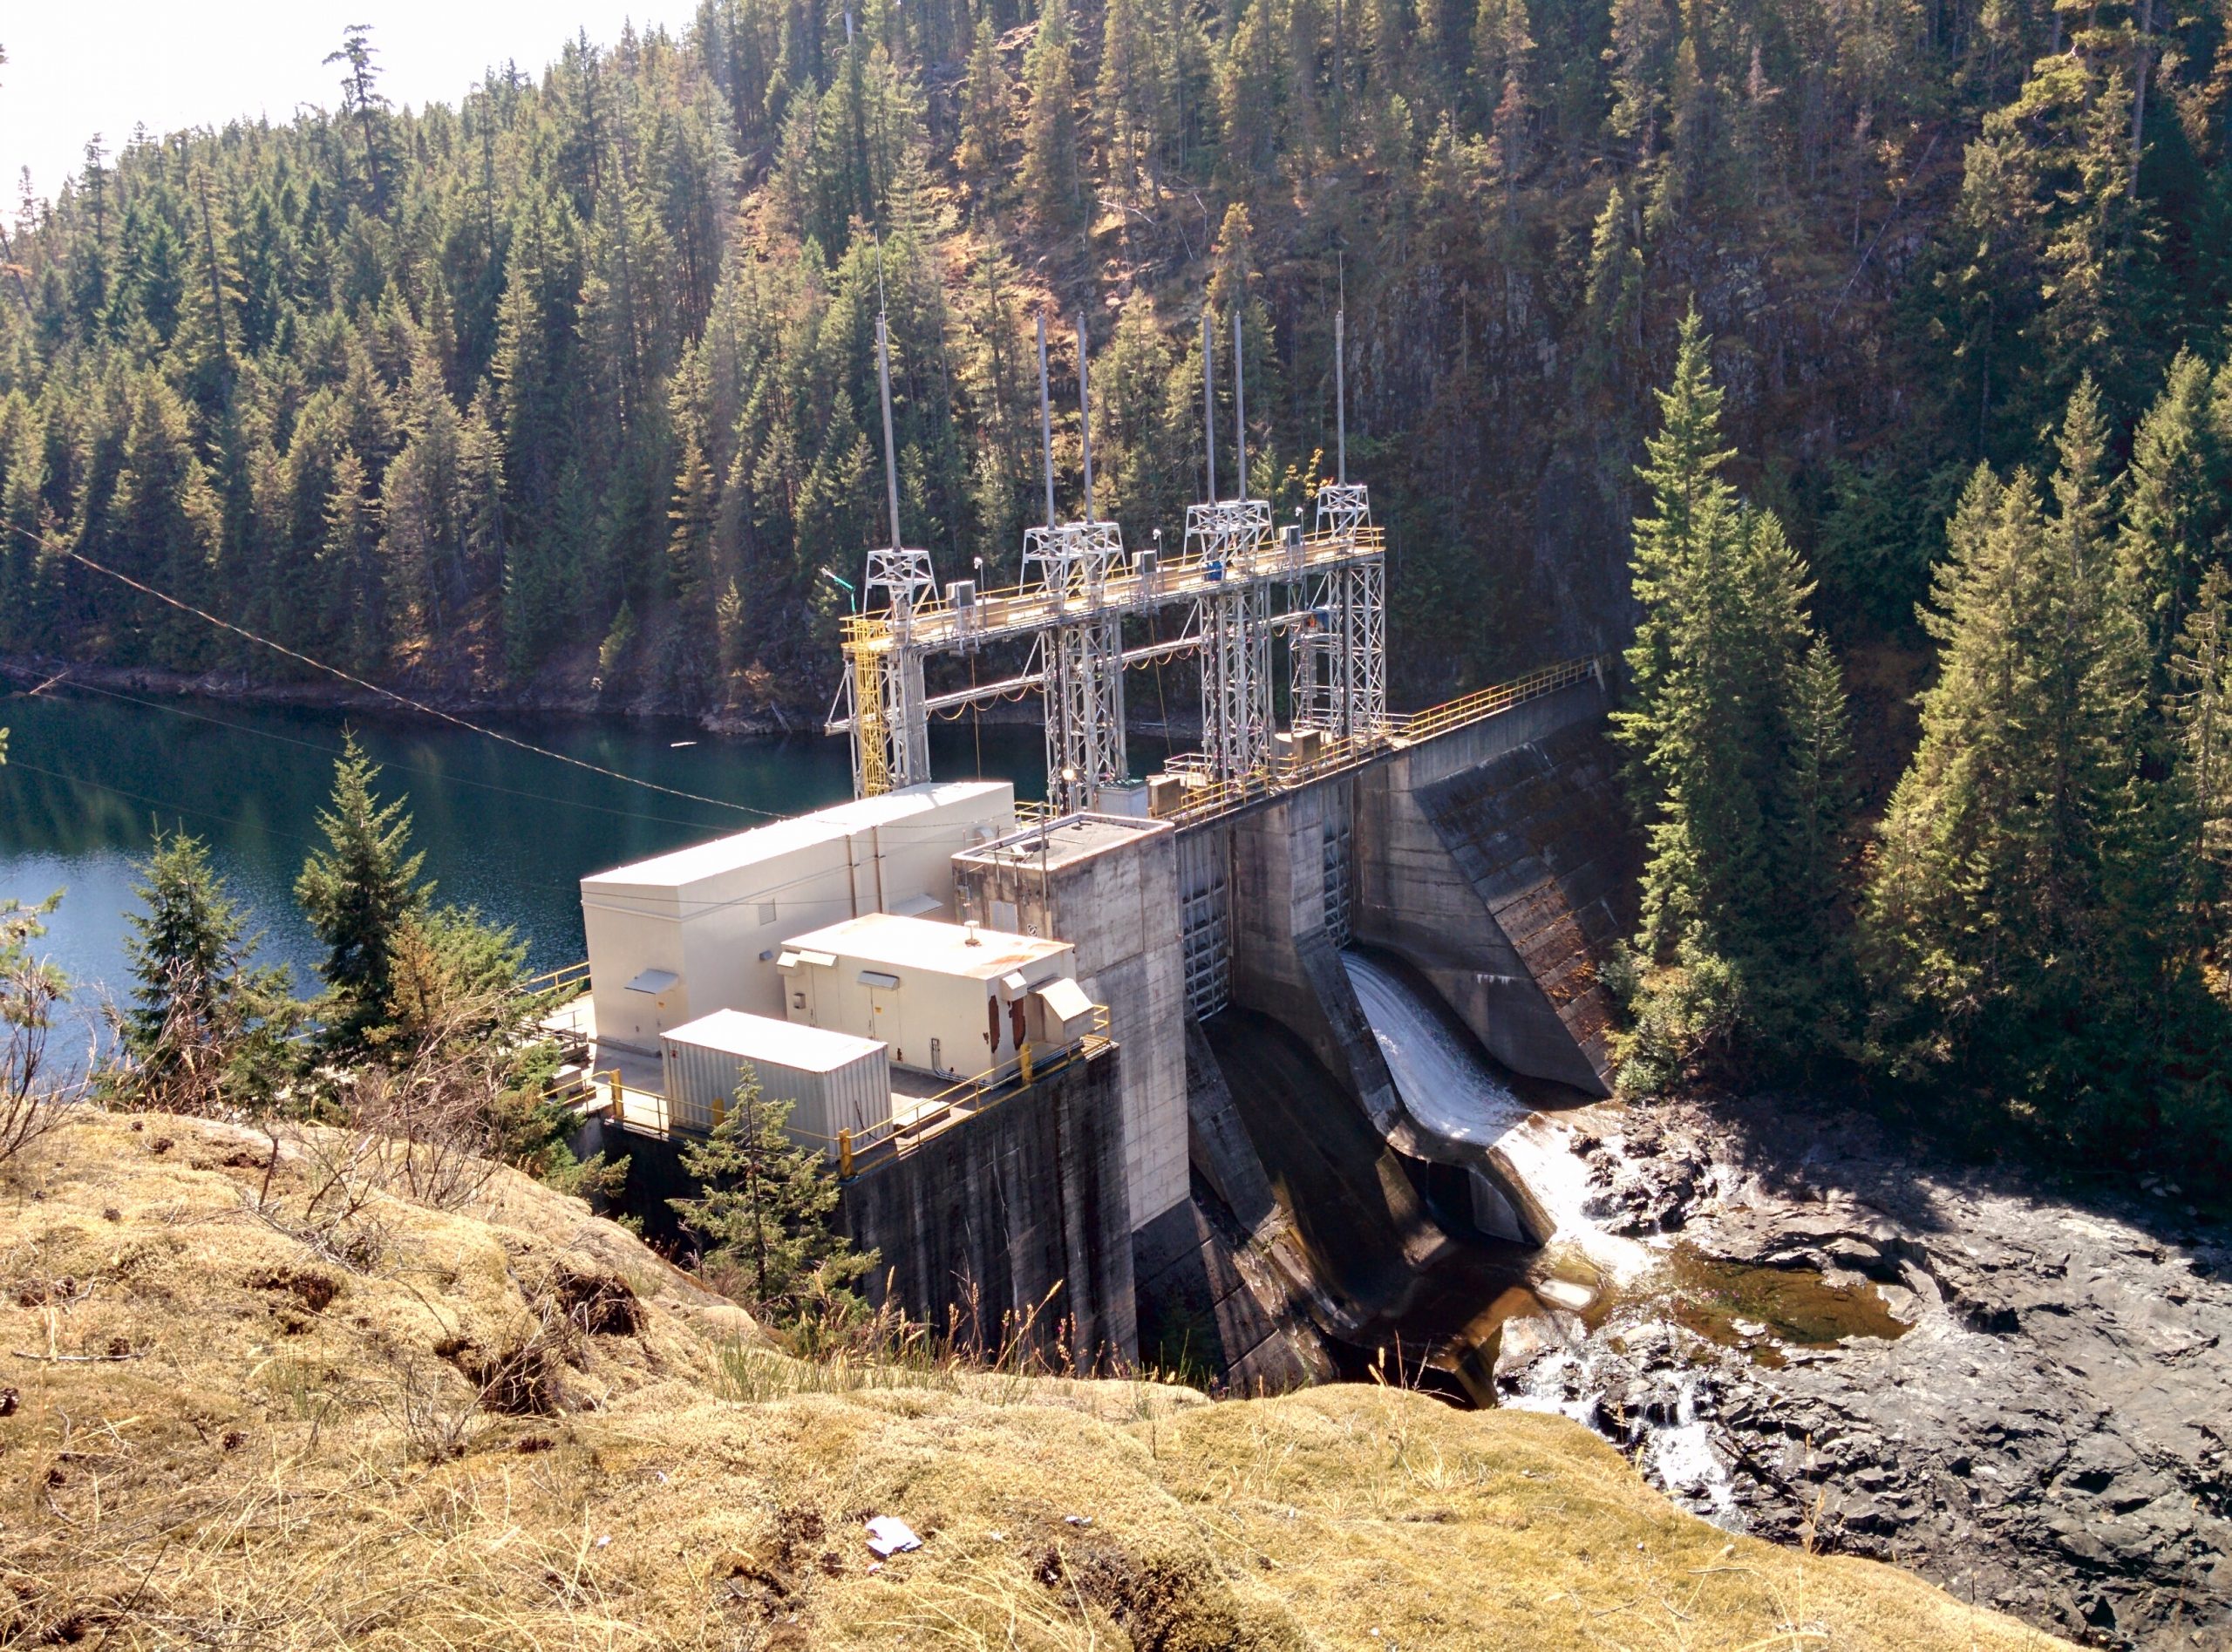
[[574, 380]]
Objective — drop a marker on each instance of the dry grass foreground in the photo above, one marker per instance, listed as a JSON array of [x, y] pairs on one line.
[[231, 1420]]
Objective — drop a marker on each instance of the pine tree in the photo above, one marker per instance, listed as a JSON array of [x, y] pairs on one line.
[[204, 1029], [164, 525], [2201, 718], [1640, 59], [1614, 291], [2178, 521], [358, 893], [984, 103], [348, 563], [1737, 751], [425, 504], [1124, 95], [765, 1212], [360, 96], [2016, 872], [1051, 183]]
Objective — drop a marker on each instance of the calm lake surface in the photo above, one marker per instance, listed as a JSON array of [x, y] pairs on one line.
[[90, 776]]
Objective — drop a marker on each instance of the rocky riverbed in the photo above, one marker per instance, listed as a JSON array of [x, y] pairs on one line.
[[2025, 1396]]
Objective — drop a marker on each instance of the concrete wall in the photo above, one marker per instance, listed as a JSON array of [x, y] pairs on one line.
[[1484, 897], [1118, 906], [1540, 835], [1017, 1201]]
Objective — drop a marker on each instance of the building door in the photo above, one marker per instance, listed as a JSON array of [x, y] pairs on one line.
[[883, 1018]]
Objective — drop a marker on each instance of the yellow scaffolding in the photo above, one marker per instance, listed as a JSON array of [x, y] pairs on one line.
[[867, 640]]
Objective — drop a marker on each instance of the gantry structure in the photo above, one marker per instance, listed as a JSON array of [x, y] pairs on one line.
[[1240, 587]]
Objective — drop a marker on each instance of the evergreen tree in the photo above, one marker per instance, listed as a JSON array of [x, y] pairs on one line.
[[2201, 718], [764, 1212], [2177, 522], [1737, 748], [358, 892], [204, 1031], [2019, 907], [164, 525], [361, 98], [984, 103], [1124, 97], [1051, 183], [348, 562]]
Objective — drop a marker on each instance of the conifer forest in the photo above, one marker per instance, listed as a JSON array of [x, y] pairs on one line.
[[1855, 371]]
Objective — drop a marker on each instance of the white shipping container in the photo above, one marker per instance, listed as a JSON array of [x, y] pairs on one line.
[[833, 1080]]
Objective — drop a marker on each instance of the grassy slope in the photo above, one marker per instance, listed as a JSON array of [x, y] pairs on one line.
[[290, 1455]]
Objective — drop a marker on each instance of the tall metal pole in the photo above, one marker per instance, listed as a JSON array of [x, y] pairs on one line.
[[1340, 401], [1209, 400], [1239, 400], [1085, 418], [890, 451], [1045, 421]]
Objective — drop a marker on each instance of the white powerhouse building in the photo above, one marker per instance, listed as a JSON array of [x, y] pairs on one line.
[[915, 938], [680, 935]]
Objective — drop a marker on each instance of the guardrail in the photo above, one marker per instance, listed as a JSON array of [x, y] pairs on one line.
[[1486, 703], [986, 1091], [644, 1108], [560, 979], [1221, 796]]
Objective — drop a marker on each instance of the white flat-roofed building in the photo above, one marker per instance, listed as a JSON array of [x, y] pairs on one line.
[[950, 999], [678, 936], [833, 1080]]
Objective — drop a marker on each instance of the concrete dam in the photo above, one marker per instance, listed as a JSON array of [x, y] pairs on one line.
[[1237, 1090], [1099, 1074]]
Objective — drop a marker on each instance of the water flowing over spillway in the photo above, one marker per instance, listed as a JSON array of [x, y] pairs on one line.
[[1450, 1092], [1441, 1081]]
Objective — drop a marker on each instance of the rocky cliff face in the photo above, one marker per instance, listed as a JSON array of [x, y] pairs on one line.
[[2036, 1413]]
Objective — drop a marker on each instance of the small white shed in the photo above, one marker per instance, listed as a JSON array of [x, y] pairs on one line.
[[952, 1000], [833, 1080]]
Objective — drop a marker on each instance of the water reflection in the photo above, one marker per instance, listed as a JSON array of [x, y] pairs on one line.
[[91, 775]]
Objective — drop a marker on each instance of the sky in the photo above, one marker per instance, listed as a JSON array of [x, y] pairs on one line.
[[176, 64]]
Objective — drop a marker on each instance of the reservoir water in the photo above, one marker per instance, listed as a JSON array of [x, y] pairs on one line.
[[91, 775]]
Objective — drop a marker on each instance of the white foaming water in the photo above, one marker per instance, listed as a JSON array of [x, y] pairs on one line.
[[1676, 1456], [1449, 1093], [1679, 1458]]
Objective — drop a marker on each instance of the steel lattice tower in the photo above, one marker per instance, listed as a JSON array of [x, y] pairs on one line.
[[1231, 539], [1082, 655], [1339, 654], [891, 736], [1236, 580]]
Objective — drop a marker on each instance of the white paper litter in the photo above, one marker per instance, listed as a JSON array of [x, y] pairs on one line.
[[888, 1535]]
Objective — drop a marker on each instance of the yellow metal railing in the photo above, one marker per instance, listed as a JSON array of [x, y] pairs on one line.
[[987, 1090], [1486, 703], [1029, 813], [561, 980], [1221, 796]]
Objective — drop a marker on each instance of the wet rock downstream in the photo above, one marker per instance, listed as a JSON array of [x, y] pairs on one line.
[[2026, 1398]]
